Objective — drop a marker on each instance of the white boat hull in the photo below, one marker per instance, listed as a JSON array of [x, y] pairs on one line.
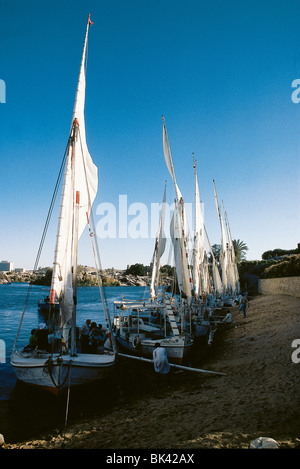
[[176, 347], [62, 371]]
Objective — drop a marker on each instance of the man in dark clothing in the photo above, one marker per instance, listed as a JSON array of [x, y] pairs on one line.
[[42, 337]]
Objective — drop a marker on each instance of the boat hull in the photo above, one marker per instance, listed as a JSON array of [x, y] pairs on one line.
[[177, 348], [59, 372], [201, 328]]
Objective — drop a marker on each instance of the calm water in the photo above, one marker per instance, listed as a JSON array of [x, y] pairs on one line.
[[22, 412]]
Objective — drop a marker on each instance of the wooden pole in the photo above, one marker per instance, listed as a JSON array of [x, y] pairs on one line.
[[186, 368]]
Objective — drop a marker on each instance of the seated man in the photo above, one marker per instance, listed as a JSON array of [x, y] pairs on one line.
[[42, 337]]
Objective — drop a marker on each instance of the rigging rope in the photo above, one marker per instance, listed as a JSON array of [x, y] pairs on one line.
[[97, 264], [43, 238]]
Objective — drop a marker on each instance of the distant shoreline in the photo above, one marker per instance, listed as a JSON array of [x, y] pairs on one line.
[[87, 277]]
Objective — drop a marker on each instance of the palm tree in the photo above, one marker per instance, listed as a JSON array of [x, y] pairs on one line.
[[240, 249]]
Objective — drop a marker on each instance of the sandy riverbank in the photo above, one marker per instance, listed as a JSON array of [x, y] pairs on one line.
[[259, 396]]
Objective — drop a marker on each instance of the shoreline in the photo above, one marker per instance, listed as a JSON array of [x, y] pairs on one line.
[[259, 396]]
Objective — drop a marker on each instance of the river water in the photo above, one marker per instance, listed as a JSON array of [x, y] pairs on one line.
[[24, 411]]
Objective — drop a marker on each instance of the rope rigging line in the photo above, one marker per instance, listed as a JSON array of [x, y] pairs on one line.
[[43, 237], [97, 263]]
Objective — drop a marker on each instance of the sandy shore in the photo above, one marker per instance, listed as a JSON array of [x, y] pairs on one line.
[[259, 396]]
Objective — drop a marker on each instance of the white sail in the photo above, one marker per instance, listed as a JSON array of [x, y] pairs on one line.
[[86, 173], [79, 189], [223, 252], [218, 287], [159, 249], [178, 228], [200, 281], [180, 254], [51, 369], [234, 275], [169, 162]]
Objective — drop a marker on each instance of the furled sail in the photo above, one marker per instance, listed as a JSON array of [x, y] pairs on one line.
[[79, 190], [169, 162], [200, 280], [178, 228], [218, 287], [178, 241], [224, 251], [159, 249], [234, 275]]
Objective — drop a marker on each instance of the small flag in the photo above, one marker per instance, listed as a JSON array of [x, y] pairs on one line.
[[89, 19]]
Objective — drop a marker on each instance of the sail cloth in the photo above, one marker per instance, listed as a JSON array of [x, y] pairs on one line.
[[86, 172], [200, 279], [81, 176], [218, 287], [169, 162], [180, 255], [232, 260], [224, 250], [178, 228], [159, 249]]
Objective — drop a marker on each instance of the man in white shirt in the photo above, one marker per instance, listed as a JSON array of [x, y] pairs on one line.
[[160, 359]]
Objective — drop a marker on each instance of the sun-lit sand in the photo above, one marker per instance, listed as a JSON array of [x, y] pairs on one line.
[[259, 396]]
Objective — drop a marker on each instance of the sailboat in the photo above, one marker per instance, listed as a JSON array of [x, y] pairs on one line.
[[201, 279], [227, 260], [61, 365], [178, 229], [234, 274], [140, 325], [179, 237], [216, 278], [201, 283]]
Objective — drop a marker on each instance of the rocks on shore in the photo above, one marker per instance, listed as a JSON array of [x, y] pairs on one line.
[[87, 276]]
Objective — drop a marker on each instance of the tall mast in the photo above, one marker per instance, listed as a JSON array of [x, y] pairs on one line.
[[180, 233], [80, 98], [223, 253], [78, 193], [159, 249], [196, 266]]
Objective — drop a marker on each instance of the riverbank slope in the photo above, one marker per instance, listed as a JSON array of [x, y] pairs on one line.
[[259, 396]]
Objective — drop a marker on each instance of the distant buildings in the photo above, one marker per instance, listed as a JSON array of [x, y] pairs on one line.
[[6, 266]]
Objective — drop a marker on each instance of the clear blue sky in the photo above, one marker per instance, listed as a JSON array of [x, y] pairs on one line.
[[220, 72]]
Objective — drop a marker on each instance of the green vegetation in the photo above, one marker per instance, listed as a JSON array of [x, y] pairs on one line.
[[43, 279], [240, 249], [136, 269], [289, 266], [279, 252]]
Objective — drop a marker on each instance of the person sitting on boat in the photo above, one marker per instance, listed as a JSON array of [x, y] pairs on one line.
[[32, 342], [96, 340], [42, 337], [160, 359], [84, 336], [100, 333], [33, 339], [93, 338]]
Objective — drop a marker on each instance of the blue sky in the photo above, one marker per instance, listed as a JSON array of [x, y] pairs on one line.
[[221, 74]]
